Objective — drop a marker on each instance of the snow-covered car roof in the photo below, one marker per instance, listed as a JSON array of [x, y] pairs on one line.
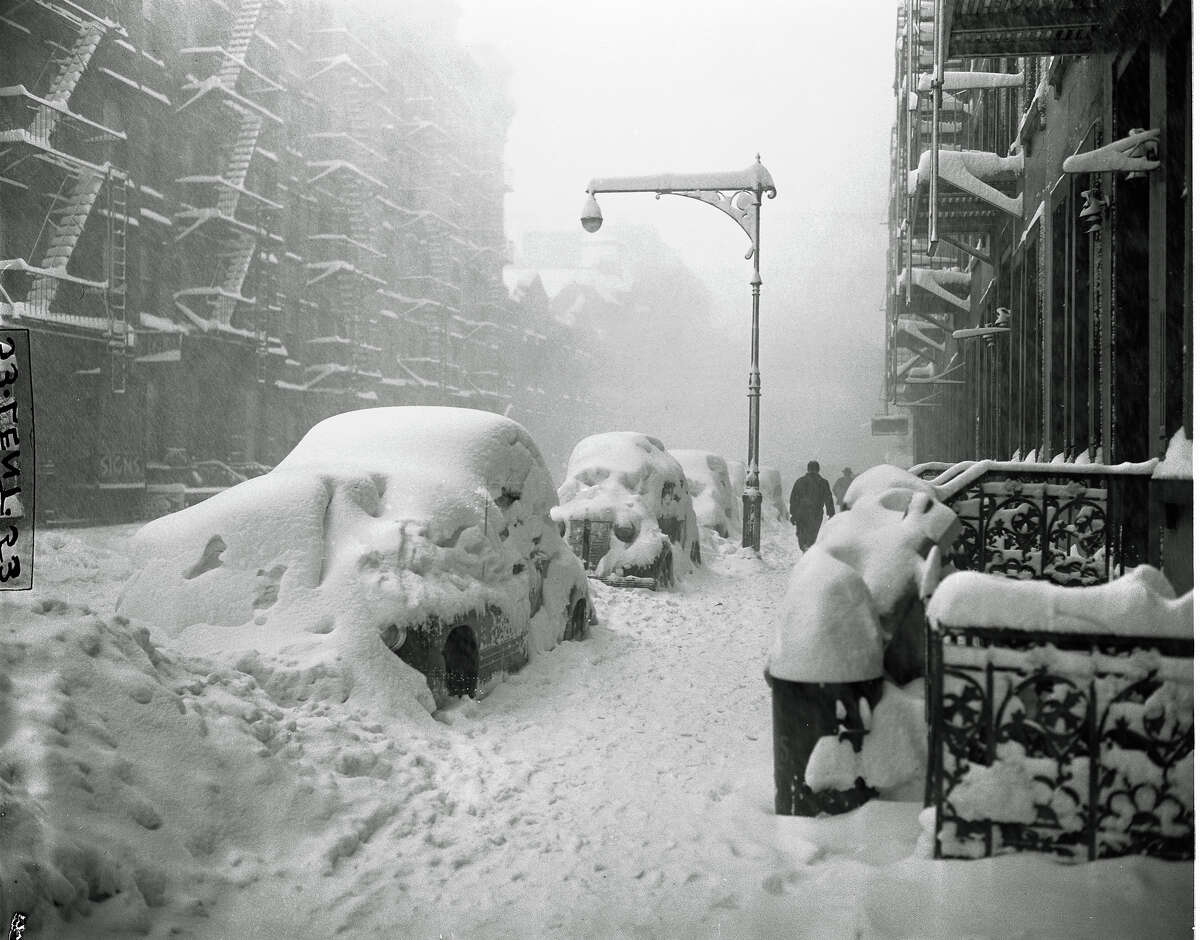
[[605, 471]]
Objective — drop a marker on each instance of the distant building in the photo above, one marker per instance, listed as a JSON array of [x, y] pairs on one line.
[[224, 223]]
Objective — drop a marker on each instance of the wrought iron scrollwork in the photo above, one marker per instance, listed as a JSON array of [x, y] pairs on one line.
[[1035, 525], [741, 205], [1098, 736]]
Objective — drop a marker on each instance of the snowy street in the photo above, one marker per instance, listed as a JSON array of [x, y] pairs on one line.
[[620, 786]]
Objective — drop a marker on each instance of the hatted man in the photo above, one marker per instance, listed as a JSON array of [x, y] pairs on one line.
[[810, 494]]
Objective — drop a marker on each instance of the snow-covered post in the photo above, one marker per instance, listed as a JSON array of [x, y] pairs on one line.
[[739, 195], [826, 674]]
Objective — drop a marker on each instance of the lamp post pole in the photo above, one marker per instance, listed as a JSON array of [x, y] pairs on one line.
[[739, 195]]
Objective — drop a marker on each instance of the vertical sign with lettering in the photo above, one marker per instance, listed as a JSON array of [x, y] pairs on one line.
[[16, 462]]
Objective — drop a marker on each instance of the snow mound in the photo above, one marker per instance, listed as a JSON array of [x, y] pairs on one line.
[[866, 572], [378, 522], [629, 480], [1177, 464], [893, 752], [99, 821], [710, 489], [829, 631], [1140, 603], [882, 477]]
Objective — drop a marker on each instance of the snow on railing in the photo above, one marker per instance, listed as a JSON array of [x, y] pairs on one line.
[[1061, 720], [1073, 524]]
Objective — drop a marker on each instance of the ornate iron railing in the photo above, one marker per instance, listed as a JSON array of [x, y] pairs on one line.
[[1071, 525], [1074, 745]]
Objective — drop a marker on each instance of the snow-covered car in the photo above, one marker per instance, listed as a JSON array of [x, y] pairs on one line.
[[774, 506], [420, 530], [626, 511], [711, 491]]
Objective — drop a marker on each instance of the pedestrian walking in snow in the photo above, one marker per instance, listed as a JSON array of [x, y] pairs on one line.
[[841, 484], [810, 494]]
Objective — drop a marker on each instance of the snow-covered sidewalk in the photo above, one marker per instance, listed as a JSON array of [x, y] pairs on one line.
[[621, 786]]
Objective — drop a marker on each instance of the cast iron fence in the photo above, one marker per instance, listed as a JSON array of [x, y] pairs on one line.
[[1070, 525], [1074, 745]]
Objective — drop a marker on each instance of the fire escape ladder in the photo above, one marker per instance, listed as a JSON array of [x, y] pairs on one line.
[[238, 165], [234, 266], [356, 192], [115, 295], [269, 302], [72, 217], [244, 26], [350, 301]]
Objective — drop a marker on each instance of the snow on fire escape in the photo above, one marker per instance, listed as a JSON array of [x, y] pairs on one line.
[[227, 222], [344, 172], [39, 131]]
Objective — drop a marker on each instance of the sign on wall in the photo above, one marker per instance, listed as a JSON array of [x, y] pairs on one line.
[[16, 462], [887, 425]]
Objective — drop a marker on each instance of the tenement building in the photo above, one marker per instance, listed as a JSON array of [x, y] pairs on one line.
[[1040, 276], [223, 221], [1055, 239]]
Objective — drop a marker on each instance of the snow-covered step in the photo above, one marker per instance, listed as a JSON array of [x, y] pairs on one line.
[[234, 267], [244, 26], [243, 148], [73, 65], [64, 235]]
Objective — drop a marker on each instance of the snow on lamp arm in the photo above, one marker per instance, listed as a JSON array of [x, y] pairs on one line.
[[738, 194]]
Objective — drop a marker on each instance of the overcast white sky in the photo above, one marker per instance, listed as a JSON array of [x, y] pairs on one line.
[[604, 87]]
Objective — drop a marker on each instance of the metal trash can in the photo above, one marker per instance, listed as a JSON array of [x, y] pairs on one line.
[[802, 714]]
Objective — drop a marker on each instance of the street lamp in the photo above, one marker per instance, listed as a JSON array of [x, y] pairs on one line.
[[739, 195]]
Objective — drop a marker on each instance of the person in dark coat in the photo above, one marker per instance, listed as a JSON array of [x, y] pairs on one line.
[[841, 484], [810, 494]]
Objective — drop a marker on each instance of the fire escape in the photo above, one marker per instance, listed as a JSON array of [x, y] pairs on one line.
[[433, 286], [227, 226], [49, 149], [343, 170], [948, 203]]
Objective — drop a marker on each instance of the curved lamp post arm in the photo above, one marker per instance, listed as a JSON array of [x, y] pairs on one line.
[[736, 193], [739, 195], [741, 206]]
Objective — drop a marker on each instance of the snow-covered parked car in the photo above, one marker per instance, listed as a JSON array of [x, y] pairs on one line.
[[421, 531], [626, 511], [711, 491], [774, 506]]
